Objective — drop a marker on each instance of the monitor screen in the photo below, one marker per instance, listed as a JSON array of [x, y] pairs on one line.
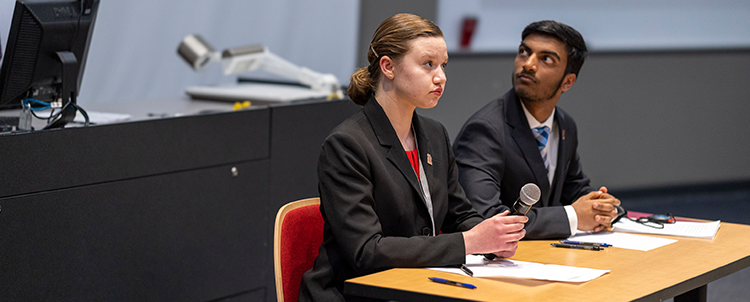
[[46, 53]]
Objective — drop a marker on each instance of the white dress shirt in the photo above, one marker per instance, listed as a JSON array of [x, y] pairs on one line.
[[553, 141]]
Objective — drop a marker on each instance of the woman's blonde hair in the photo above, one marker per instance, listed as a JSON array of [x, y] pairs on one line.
[[391, 39]]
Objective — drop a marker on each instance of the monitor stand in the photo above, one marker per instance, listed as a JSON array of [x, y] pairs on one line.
[[69, 90]]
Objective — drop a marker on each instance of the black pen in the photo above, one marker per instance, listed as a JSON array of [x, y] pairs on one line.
[[580, 247], [446, 281], [466, 270], [586, 243]]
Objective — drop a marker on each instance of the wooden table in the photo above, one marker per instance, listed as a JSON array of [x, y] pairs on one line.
[[681, 270]]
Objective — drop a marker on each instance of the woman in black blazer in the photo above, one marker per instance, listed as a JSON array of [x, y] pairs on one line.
[[388, 181]]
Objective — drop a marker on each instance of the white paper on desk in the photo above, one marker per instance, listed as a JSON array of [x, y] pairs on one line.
[[102, 117], [525, 270], [680, 228], [625, 241]]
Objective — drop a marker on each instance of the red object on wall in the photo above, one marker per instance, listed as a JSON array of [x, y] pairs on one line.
[[468, 27]]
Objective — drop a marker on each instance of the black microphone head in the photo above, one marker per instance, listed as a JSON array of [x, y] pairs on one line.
[[530, 194]]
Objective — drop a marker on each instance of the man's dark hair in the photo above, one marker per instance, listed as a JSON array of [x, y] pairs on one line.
[[574, 44]]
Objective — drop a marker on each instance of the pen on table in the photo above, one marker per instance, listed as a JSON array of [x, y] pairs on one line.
[[585, 243], [580, 247], [466, 270], [445, 281]]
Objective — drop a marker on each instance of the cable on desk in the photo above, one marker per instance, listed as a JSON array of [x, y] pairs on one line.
[[28, 103]]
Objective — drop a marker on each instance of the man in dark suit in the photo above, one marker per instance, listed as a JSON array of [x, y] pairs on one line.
[[522, 137]]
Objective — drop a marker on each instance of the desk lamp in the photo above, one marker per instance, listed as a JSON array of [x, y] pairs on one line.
[[198, 53]]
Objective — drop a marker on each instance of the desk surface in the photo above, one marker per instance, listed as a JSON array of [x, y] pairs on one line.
[[654, 275]]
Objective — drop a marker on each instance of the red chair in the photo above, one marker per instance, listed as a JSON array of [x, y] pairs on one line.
[[297, 235]]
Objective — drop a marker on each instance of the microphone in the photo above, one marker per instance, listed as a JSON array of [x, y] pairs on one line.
[[529, 195]]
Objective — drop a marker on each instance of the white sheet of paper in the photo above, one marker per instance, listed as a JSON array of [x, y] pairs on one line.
[[102, 117], [525, 270], [680, 228], [625, 241]]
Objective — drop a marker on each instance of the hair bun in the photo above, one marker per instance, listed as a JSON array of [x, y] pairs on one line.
[[360, 86]]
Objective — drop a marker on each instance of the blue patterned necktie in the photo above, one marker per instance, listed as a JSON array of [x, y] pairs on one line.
[[542, 134]]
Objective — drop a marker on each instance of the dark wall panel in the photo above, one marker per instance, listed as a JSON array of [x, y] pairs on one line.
[[189, 236], [297, 132], [174, 209], [54, 159]]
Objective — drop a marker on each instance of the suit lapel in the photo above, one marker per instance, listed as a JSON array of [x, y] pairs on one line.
[[388, 139], [426, 156], [525, 140]]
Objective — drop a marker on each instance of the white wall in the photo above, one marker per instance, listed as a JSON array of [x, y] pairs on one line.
[[606, 25], [133, 53]]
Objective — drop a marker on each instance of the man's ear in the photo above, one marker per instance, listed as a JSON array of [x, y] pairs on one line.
[[387, 67], [568, 81]]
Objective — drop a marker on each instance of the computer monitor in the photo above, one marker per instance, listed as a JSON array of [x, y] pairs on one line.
[[46, 53]]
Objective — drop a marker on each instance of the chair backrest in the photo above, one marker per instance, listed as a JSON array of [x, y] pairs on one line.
[[297, 235]]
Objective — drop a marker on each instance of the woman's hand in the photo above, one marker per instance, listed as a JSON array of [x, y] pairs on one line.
[[498, 235]]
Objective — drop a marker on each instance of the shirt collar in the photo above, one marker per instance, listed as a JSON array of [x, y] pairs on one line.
[[533, 123]]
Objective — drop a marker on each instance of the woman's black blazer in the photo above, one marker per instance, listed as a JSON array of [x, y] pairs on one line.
[[375, 214]]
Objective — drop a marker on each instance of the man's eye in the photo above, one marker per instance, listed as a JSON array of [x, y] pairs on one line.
[[428, 63]]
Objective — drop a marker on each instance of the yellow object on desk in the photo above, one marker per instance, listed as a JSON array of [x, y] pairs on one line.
[[241, 105]]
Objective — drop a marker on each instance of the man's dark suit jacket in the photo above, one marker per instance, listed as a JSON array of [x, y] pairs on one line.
[[375, 215], [497, 154]]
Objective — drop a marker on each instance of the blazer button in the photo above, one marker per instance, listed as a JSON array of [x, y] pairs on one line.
[[426, 231]]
